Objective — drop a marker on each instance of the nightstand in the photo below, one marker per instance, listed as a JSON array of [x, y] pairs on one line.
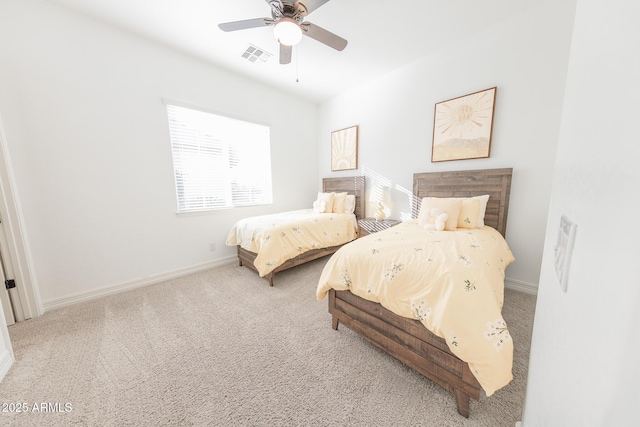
[[371, 225]]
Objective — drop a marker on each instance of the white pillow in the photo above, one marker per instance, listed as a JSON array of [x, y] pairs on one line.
[[350, 204], [449, 205], [319, 206], [338, 202], [434, 220], [328, 199], [483, 207]]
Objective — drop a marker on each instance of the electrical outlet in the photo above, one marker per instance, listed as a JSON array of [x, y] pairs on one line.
[[564, 250], [212, 247]]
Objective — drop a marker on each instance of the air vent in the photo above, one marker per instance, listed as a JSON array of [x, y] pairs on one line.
[[255, 54]]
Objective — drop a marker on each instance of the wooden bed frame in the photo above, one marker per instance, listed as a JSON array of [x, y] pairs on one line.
[[406, 339], [352, 185]]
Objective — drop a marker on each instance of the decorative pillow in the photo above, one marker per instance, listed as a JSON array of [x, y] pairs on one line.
[[469, 211], [328, 199], [350, 204], [319, 206], [338, 202], [434, 220], [483, 208], [451, 206]]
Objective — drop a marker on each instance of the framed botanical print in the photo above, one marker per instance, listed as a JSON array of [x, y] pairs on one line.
[[344, 149], [462, 127]]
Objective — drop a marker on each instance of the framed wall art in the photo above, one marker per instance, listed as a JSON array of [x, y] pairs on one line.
[[344, 149], [462, 127]]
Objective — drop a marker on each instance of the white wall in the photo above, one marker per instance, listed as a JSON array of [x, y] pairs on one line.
[[88, 137], [526, 58], [586, 342]]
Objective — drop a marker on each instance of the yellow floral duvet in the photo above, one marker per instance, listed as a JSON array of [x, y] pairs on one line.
[[279, 237], [451, 281]]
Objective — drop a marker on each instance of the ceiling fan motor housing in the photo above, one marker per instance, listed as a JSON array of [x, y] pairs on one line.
[[295, 10]]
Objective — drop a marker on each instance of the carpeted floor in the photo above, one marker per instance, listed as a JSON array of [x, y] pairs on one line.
[[222, 348]]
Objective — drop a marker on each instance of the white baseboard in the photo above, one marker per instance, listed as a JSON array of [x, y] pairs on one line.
[[65, 301], [518, 423], [517, 285], [6, 360]]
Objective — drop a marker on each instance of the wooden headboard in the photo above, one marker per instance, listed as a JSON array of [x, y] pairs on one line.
[[352, 185], [494, 182]]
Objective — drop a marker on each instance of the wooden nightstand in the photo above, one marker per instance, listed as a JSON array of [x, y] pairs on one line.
[[371, 225]]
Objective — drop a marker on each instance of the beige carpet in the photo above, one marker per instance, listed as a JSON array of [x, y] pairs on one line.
[[222, 348]]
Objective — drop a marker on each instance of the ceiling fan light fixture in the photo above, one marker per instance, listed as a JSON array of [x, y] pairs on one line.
[[287, 31]]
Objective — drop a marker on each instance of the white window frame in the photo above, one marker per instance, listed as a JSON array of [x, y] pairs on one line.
[[219, 162]]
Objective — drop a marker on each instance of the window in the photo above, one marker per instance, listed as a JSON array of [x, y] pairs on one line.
[[218, 162]]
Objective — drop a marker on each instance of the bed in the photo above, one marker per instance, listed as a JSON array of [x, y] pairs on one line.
[[407, 339], [305, 251]]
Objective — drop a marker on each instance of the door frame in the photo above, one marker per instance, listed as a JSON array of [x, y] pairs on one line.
[[18, 245]]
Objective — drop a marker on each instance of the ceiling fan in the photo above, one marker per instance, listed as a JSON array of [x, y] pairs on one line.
[[287, 19]]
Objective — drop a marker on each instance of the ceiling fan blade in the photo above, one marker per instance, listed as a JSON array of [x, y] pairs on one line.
[[312, 5], [324, 36], [285, 53], [246, 24]]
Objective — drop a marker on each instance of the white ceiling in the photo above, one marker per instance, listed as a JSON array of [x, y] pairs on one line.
[[382, 35]]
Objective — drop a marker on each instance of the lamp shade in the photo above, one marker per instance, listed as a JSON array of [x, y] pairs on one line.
[[287, 31]]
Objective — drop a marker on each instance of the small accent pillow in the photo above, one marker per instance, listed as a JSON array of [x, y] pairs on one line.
[[469, 211], [319, 206], [450, 206], [328, 199], [350, 204], [434, 220], [339, 200]]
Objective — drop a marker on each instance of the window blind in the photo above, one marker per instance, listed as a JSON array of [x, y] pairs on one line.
[[218, 162]]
